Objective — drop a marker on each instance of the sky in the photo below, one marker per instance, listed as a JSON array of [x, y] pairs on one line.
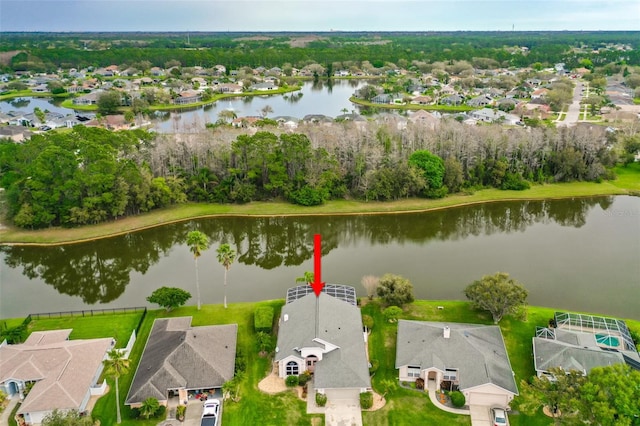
[[318, 15]]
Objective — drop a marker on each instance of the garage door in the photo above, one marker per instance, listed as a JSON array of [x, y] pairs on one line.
[[347, 394], [487, 399]]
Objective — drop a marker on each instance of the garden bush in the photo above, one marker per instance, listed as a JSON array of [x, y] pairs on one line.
[[457, 398], [366, 400], [419, 383], [367, 321], [321, 399], [292, 381], [263, 319], [304, 378]]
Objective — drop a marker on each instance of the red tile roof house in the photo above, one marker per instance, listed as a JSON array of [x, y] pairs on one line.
[[65, 372]]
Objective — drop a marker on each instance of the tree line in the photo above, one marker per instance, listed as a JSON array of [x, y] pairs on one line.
[[91, 175], [51, 51]]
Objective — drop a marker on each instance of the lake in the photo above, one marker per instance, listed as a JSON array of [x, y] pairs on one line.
[[321, 97], [575, 254]]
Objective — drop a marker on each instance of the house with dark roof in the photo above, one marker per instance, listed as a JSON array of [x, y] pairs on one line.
[[471, 358], [324, 335], [180, 358], [64, 372], [582, 342]]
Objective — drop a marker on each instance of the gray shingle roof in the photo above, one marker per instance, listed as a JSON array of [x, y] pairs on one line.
[[477, 351], [180, 356], [333, 321], [551, 353]]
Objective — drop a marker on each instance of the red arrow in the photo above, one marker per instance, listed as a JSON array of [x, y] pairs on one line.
[[317, 283]]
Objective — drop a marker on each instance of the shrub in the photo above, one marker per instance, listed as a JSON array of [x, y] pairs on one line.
[[263, 319], [395, 290], [419, 383], [181, 411], [457, 398], [292, 381], [392, 313], [304, 378], [367, 321], [241, 362], [374, 366], [366, 400], [321, 399]]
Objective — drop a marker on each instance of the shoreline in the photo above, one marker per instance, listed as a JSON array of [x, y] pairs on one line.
[[10, 236]]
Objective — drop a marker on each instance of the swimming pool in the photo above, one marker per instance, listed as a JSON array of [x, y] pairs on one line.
[[605, 339]]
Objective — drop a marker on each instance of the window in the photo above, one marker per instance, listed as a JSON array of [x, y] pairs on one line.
[[451, 374], [292, 368], [413, 371]]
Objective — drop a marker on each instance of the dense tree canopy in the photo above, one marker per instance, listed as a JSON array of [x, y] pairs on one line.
[[91, 175]]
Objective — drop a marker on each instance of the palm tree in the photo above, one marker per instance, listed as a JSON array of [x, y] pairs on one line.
[[116, 365], [149, 408], [197, 242], [226, 256]]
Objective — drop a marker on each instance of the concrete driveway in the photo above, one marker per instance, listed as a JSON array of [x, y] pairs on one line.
[[343, 412], [480, 415]]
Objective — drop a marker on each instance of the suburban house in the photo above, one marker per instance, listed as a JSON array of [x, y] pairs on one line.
[[265, 86], [582, 342], [15, 133], [88, 99], [228, 88], [489, 115], [471, 358], [480, 101], [188, 97], [324, 336], [64, 372], [181, 358], [452, 100]]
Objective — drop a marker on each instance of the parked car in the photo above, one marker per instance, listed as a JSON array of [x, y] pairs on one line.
[[210, 413], [499, 417]]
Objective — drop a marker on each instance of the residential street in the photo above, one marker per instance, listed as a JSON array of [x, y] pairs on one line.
[[573, 113]]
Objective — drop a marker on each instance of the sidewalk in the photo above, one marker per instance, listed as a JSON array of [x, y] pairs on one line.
[[4, 417], [434, 399]]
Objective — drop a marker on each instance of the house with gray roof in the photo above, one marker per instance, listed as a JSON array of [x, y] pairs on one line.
[[571, 351], [469, 357], [65, 372], [582, 342], [180, 358], [324, 335]]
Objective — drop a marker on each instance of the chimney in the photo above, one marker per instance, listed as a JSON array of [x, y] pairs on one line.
[[447, 332]]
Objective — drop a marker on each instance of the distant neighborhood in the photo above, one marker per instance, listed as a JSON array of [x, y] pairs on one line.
[[474, 95]]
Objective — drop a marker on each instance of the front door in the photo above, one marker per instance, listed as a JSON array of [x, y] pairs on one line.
[[311, 363]]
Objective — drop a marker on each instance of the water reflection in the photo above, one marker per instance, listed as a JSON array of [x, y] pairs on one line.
[[99, 272]]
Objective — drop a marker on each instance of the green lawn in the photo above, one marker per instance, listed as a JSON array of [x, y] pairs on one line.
[[118, 326]]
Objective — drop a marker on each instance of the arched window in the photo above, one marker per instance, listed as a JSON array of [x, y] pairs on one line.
[[292, 368]]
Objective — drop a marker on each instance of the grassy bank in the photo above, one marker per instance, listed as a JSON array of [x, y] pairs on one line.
[[404, 406], [176, 107], [628, 181]]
